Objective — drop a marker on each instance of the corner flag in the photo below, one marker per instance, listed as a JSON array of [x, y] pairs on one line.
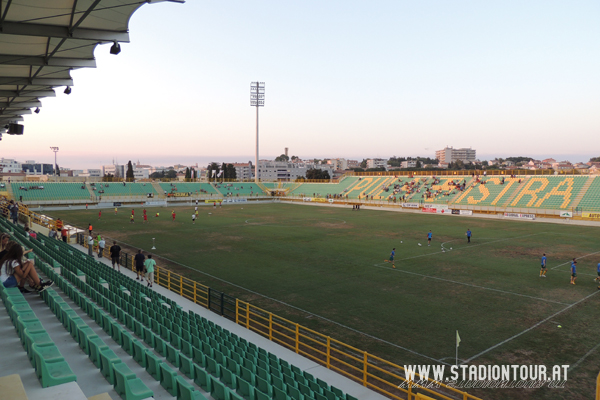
[[457, 339]]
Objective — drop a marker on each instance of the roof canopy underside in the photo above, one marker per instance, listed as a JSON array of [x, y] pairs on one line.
[[42, 41]]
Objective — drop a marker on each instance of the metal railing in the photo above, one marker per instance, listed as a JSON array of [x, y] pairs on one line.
[[370, 370]]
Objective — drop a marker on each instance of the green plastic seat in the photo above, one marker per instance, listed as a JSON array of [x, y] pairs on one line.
[[149, 337], [153, 364], [305, 390], [247, 375], [228, 378], [168, 379], [186, 348], [160, 346], [85, 333], [279, 394], [51, 368], [198, 357], [95, 346], [108, 359], [31, 338], [294, 393], [128, 386], [337, 391], [245, 389], [212, 367], [186, 366], [137, 328], [186, 391], [264, 386], [117, 332], [219, 390], [172, 355], [258, 395], [202, 378], [139, 353], [127, 342]]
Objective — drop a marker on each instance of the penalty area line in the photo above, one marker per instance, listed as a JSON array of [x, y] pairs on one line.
[[565, 263], [471, 285], [468, 247], [529, 329]]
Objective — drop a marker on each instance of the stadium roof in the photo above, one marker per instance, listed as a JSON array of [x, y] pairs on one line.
[[41, 41]]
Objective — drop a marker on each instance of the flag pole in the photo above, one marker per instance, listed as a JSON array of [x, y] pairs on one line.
[[457, 344]]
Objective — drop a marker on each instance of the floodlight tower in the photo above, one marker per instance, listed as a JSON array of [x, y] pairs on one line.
[[257, 99], [55, 150]]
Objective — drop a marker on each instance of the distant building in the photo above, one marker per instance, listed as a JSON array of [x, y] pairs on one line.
[[377, 163], [116, 170], [353, 164], [450, 154], [38, 169], [91, 173], [141, 173], [562, 166], [338, 163], [243, 171], [409, 164], [10, 166], [287, 171]]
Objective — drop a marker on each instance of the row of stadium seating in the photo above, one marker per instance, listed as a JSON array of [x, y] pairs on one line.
[[189, 187], [50, 191], [546, 192], [591, 199], [158, 334]]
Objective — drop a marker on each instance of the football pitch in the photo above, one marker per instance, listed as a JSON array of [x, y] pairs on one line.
[[323, 267]]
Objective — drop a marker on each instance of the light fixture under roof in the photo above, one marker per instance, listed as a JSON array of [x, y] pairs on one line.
[[115, 48], [68, 90]]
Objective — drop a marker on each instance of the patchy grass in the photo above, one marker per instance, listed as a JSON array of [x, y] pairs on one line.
[[328, 262]]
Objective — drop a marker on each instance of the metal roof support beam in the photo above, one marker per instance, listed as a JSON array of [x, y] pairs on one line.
[[6, 120], [41, 30], [10, 80], [15, 112], [41, 61], [27, 93], [20, 105]]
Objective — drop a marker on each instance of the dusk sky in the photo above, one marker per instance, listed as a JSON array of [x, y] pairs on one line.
[[351, 79]]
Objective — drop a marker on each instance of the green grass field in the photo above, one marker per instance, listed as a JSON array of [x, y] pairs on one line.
[[323, 267]]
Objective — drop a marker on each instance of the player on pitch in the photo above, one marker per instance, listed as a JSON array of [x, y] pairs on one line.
[[392, 255], [543, 270]]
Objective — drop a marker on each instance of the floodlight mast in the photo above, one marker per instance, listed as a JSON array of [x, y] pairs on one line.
[[257, 99], [55, 150]]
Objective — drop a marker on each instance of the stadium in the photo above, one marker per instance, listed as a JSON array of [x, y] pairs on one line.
[[287, 290]]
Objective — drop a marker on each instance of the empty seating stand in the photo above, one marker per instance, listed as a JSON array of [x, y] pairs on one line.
[[189, 355]]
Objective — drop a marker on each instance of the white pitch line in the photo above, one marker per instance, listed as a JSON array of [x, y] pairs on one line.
[[572, 367], [470, 247], [587, 255], [471, 285], [528, 329]]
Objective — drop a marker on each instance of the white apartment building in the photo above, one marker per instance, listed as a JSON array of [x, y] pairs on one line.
[[408, 164], [10, 166], [116, 170], [377, 163], [243, 171], [92, 173], [450, 154], [141, 173], [338, 163], [353, 164]]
